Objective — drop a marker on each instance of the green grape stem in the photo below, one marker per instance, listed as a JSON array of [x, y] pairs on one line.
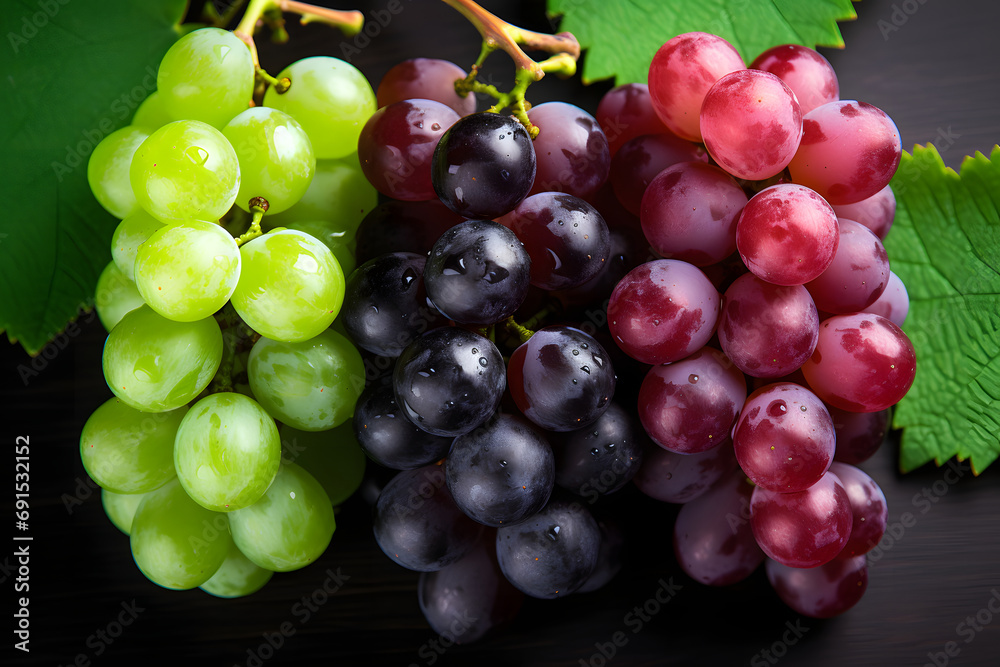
[[523, 333], [499, 34], [258, 206], [211, 15], [269, 12]]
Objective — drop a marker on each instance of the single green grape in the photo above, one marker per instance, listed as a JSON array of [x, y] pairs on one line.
[[291, 286], [129, 235], [237, 577], [152, 113], [332, 238], [120, 508], [332, 100], [339, 196], [333, 457], [311, 385], [186, 170], [290, 526], [276, 157], [115, 296], [207, 75], [176, 542], [226, 452], [108, 170], [155, 364], [127, 451], [188, 271]]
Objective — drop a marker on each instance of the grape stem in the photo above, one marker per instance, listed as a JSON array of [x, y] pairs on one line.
[[499, 34], [258, 206], [270, 12], [523, 333], [212, 17]]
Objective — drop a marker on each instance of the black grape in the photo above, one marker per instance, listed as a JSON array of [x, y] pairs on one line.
[[388, 437], [610, 557], [449, 381], [502, 472], [477, 273], [403, 226], [602, 457], [385, 304], [484, 165], [551, 554], [418, 525]]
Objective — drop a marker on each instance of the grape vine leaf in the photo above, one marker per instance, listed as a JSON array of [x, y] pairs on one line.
[[623, 36], [945, 246], [73, 73]]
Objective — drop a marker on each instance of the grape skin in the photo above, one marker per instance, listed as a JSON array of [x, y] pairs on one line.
[[680, 478], [600, 458], [388, 436], [642, 158], [626, 112], [875, 212], [868, 507], [820, 592], [108, 170], [428, 78], [858, 274], [571, 150], [115, 296], [805, 71]]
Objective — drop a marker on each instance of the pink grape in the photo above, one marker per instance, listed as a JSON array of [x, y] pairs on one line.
[[767, 330], [689, 212], [849, 151], [820, 592], [859, 434], [751, 124], [787, 234], [426, 78], [894, 302], [805, 71], [642, 158], [680, 75], [689, 406], [802, 529], [868, 507], [875, 212], [784, 439], [862, 363], [663, 311], [713, 542], [680, 478], [626, 112], [571, 150], [858, 274]]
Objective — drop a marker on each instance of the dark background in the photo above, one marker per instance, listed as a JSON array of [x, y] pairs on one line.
[[936, 76]]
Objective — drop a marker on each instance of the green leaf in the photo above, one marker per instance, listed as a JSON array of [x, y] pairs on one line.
[[945, 246], [78, 71], [623, 36]]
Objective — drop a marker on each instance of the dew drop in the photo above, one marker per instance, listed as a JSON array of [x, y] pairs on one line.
[[553, 532], [595, 451], [693, 379], [576, 352], [197, 155]]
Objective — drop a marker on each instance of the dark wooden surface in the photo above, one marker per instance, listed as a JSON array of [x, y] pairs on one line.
[[936, 76]]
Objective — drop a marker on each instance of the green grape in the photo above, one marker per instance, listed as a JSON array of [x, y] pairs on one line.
[[311, 385], [289, 527], [226, 452], [155, 364], [108, 170], [115, 296], [237, 577], [152, 114], [188, 271], [333, 457], [276, 157], [207, 75], [176, 542], [129, 235], [121, 507], [186, 170], [339, 195], [291, 286], [127, 451], [332, 100], [332, 238]]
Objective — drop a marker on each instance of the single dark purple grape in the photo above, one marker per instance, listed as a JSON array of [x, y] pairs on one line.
[[609, 557], [397, 143], [403, 226], [484, 165], [553, 553], [566, 238], [680, 478], [418, 525], [465, 600], [561, 378], [385, 304], [428, 78], [502, 472], [389, 437], [449, 381], [602, 457], [477, 273]]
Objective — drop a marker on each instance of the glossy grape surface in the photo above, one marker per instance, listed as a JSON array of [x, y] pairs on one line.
[[387, 435], [571, 150], [805, 71]]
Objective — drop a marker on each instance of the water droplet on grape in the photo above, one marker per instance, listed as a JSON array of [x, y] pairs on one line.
[[197, 155], [777, 408], [693, 379], [595, 451], [585, 369], [483, 362], [553, 532], [576, 352]]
